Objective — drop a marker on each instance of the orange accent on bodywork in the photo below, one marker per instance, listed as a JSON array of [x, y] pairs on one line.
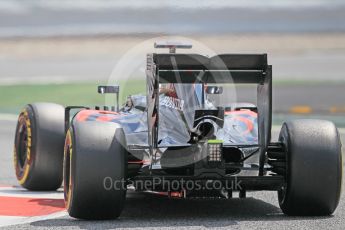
[[104, 118], [248, 122], [85, 114], [246, 112]]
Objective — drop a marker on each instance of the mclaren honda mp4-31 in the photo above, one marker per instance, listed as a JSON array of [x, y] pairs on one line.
[[186, 137]]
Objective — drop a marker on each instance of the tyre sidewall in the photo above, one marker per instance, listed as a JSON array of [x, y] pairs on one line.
[[98, 157], [43, 168], [314, 170]]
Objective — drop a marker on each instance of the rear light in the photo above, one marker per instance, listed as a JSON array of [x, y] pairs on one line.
[[176, 194]]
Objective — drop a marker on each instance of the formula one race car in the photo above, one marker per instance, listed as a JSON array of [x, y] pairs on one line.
[[184, 139]]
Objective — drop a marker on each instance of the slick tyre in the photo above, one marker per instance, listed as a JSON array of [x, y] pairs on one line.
[[38, 146], [314, 168], [95, 166]]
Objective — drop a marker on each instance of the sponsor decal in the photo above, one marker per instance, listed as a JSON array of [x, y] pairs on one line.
[[172, 102]]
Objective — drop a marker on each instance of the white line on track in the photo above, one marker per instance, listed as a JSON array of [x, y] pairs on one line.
[[8, 117], [15, 191], [15, 220]]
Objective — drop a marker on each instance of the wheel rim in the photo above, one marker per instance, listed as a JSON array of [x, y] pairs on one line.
[[22, 145]]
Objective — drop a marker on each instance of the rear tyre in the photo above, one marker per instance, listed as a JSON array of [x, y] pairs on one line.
[[95, 166], [314, 168], [38, 146]]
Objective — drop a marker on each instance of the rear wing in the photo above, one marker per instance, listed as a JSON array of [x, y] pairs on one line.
[[194, 68], [224, 68]]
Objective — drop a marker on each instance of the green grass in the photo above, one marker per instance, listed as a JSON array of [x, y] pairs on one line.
[[14, 97]]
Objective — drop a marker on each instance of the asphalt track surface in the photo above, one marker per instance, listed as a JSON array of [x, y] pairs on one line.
[[146, 211]]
